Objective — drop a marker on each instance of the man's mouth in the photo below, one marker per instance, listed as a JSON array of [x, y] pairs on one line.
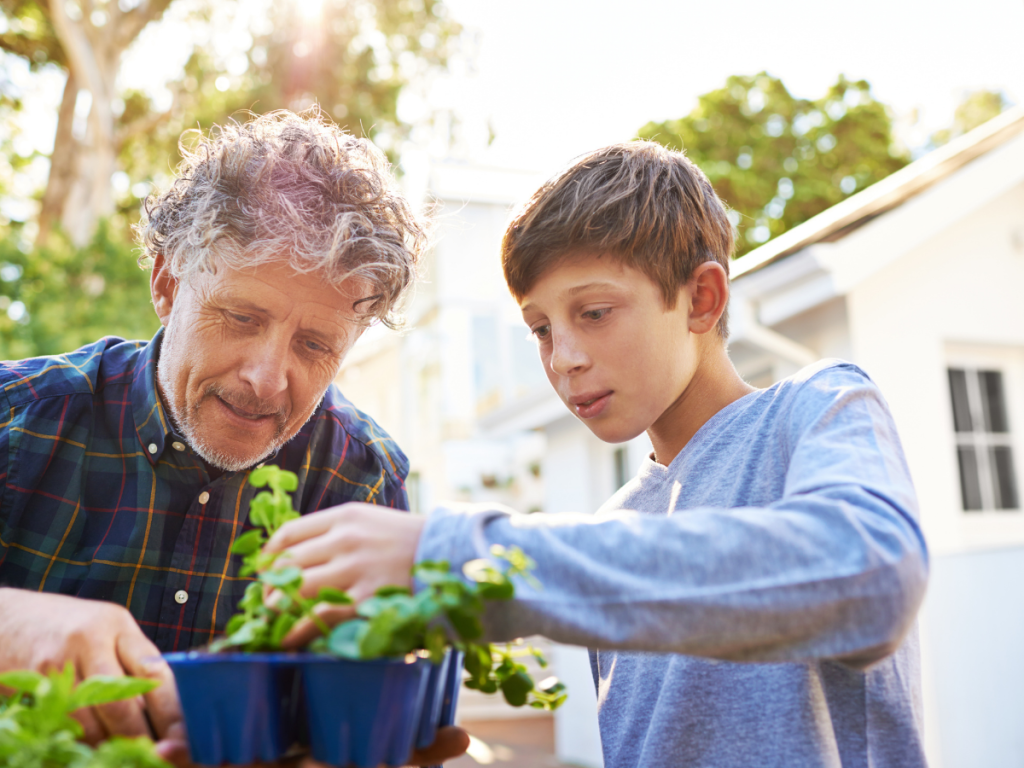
[[245, 414]]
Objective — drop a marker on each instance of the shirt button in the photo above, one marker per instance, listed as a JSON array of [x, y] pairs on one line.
[[178, 446], [204, 497], [181, 597], [152, 448]]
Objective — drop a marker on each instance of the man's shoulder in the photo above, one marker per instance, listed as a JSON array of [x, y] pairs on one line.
[[362, 428], [83, 371]]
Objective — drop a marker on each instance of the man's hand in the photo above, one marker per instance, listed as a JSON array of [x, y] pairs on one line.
[[42, 632], [451, 742], [355, 547]]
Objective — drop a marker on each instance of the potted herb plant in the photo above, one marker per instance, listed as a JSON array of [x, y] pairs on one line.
[[365, 692], [37, 730]]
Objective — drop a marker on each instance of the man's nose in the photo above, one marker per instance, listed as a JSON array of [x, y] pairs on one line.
[[265, 367], [567, 355]]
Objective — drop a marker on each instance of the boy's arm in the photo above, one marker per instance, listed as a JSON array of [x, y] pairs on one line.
[[835, 569]]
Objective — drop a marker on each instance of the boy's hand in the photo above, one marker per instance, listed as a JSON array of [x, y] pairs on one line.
[[356, 547]]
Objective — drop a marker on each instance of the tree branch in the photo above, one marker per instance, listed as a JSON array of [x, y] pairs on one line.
[[128, 25]]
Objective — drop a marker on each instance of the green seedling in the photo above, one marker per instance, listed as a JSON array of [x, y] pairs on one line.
[[37, 730], [258, 627], [446, 612]]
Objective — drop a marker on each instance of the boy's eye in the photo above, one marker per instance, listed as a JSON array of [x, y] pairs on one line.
[[541, 331], [595, 314]]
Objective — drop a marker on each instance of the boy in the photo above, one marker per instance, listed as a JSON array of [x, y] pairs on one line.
[[775, 526]]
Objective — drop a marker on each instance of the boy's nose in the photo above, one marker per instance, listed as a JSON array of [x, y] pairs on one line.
[[567, 356]]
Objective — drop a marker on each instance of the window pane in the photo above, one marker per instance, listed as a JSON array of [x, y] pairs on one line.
[[1005, 481], [993, 403], [970, 490], [961, 408], [621, 470]]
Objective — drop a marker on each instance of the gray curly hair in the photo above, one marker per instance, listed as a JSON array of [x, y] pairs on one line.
[[286, 186]]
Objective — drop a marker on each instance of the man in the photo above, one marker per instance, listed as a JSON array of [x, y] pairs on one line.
[[124, 463]]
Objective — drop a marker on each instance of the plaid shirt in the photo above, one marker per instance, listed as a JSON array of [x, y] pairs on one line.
[[103, 500]]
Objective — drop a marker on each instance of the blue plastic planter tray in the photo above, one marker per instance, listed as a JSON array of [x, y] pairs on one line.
[[238, 708], [241, 708], [364, 713]]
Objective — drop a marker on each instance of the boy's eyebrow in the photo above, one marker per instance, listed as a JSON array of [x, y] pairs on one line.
[[576, 289]]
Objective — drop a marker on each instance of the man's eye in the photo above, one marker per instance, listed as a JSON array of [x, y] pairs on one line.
[[313, 346], [243, 319]]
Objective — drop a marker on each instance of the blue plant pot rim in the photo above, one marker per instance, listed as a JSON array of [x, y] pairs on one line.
[[205, 657]]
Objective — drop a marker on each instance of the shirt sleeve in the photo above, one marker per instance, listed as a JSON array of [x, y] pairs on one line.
[[836, 568]]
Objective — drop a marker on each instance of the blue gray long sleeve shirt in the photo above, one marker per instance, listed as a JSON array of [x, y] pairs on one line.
[[752, 603]]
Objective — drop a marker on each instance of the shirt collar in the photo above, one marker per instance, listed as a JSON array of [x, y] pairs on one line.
[[152, 425]]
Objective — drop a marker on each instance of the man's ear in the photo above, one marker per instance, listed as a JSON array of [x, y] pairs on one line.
[[709, 296], [163, 287]]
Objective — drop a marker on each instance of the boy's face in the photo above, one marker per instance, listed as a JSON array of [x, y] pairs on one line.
[[614, 354]]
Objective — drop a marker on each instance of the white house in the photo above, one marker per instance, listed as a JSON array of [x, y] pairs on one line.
[[918, 279]]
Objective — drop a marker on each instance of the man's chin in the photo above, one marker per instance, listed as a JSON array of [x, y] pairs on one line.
[[231, 458]]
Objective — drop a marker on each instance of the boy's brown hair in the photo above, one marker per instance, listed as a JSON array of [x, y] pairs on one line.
[[647, 206]]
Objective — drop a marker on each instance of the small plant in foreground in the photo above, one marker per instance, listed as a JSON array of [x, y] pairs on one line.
[[37, 730], [447, 611]]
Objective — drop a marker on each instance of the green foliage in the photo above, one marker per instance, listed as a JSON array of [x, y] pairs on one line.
[[37, 730], [975, 108], [259, 627], [777, 160], [354, 61], [394, 622], [56, 298]]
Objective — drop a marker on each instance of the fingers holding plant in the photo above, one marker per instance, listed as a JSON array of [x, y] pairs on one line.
[[358, 548]]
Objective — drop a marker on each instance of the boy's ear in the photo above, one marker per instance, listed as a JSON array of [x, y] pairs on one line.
[[709, 296], [163, 287]]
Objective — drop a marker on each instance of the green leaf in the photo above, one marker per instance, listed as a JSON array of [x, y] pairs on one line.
[[345, 639], [281, 627], [392, 590], [102, 689], [253, 597], [259, 477], [249, 542], [22, 680], [466, 624], [283, 577], [516, 688], [333, 596], [120, 752]]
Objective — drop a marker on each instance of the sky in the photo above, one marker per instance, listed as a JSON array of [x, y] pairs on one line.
[[551, 79], [555, 78]]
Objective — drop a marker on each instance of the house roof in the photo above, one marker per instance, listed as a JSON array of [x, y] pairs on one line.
[[891, 192]]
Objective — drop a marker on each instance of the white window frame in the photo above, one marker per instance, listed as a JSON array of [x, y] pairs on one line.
[[1010, 363]]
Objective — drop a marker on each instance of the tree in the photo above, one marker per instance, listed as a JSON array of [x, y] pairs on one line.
[[777, 160], [59, 297], [87, 40], [352, 57], [81, 281], [975, 108]]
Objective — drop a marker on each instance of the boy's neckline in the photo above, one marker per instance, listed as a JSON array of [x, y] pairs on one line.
[[653, 465]]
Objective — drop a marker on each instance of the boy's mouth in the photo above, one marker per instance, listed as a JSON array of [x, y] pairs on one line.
[[589, 405]]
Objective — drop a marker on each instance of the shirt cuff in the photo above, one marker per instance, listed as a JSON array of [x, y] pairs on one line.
[[455, 533]]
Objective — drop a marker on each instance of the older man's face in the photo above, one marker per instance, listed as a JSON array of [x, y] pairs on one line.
[[247, 355]]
